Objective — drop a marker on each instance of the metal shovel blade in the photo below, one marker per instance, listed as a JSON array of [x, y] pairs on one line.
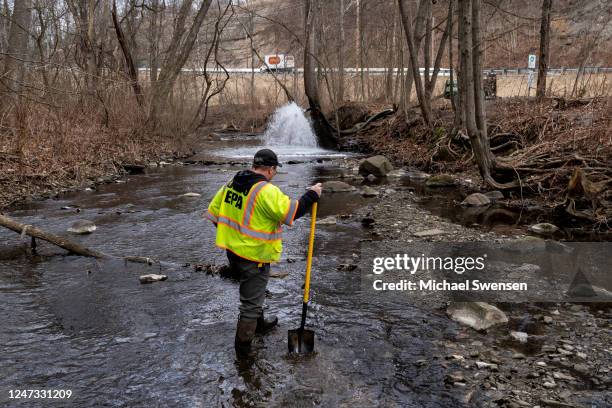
[[300, 341]]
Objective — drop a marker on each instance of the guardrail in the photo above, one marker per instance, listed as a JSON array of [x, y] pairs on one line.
[[379, 71]]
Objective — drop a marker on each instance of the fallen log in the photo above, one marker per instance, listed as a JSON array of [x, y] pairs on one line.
[[62, 242], [360, 126]]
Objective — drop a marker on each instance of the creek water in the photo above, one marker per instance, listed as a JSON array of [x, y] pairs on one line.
[[89, 326]]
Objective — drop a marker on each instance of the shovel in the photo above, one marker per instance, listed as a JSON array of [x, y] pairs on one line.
[[302, 340]]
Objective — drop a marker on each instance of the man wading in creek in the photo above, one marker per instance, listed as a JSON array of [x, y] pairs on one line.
[[248, 212]]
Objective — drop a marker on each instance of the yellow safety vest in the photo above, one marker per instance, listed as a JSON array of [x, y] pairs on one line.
[[250, 225]]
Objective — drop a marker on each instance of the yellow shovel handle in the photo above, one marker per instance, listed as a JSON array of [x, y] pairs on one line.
[[313, 221]]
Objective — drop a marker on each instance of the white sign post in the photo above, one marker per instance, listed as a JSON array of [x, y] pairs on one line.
[[531, 64], [532, 61]]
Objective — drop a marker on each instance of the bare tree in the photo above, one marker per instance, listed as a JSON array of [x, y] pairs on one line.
[[155, 33], [340, 95], [391, 47], [127, 54], [413, 50], [83, 13], [5, 14], [544, 47], [17, 52], [454, 98], [430, 80], [179, 49], [594, 32], [359, 46], [470, 45], [209, 91], [311, 87]]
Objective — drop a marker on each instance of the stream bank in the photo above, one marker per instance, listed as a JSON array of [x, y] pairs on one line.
[[560, 149]]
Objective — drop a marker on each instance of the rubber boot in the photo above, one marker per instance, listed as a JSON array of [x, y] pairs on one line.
[[265, 325], [245, 331]]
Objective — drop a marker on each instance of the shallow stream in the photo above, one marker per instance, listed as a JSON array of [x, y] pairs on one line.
[[75, 323]]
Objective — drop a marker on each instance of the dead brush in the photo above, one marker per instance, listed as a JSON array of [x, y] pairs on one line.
[[70, 146], [548, 140]]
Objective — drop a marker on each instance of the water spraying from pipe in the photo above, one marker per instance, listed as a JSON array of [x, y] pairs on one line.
[[290, 127]]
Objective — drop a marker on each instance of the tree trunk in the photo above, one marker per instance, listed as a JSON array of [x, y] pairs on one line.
[[253, 57], [477, 48], [91, 67], [398, 95], [359, 48], [391, 65], [5, 18], [430, 83], [321, 126], [544, 46], [466, 69], [83, 13], [340, 96], [468, 86], [129, 61], [450, 62], [17, 52], [310, 76], [427, 46], [414, 63], [154, 33], [461, 85], [470, 42], [40, 45]]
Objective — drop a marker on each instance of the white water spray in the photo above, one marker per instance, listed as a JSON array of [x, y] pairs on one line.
[[290, 127]]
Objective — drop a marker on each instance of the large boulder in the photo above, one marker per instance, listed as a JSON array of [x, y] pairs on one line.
[[376, 165], [477, 315], [476, 200], [337, 187]]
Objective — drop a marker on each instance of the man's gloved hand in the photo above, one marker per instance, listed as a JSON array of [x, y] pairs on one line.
[[317, 188]]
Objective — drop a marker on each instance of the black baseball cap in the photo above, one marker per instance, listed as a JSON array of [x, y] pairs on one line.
[[266, 157]]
